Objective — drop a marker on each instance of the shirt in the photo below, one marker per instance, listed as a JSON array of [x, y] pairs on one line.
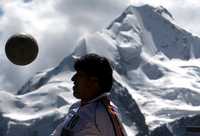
[[91, 119]]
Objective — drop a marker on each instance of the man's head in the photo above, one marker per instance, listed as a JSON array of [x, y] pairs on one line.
[[93, 76]]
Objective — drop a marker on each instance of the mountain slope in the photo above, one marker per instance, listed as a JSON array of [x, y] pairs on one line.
[[156, 72]]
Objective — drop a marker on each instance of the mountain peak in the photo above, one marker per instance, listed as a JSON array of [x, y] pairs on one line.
[[163, 12]]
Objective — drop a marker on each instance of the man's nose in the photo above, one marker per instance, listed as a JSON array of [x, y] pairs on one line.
[[73, 77]]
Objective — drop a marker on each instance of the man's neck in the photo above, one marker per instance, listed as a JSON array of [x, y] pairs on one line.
[[84, 102]]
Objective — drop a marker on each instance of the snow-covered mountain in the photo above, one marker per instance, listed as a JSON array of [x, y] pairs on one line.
[[156, 71]]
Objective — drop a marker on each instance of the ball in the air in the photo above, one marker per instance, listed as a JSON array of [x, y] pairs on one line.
[[21, 49]]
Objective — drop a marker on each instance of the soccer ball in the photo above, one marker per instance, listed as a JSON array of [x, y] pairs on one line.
[[21, 49]]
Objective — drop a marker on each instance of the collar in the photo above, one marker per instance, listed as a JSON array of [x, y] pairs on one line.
[[95, 99]]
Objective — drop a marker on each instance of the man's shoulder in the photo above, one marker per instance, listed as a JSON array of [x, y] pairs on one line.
[[103, 102]]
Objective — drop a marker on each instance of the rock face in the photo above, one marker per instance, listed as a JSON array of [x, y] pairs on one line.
[[128, 109], [156, 73], [179, 127]]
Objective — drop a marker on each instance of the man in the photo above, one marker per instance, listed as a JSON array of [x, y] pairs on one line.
[[93, 115]]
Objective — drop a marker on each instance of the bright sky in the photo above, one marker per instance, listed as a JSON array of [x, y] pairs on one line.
[[58, 24]]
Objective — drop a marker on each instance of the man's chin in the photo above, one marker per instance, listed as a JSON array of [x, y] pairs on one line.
[[75, 94]]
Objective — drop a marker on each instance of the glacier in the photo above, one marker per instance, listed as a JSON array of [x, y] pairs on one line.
[[156, 79]]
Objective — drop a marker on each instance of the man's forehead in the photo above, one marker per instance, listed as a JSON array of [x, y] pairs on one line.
[[81, 72]]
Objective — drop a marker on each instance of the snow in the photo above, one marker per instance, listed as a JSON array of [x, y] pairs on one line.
[[164, 12], [98, 43], [156, 71]]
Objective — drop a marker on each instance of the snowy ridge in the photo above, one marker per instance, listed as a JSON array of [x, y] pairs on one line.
[[44, 77], [156, 71], [164, 12]]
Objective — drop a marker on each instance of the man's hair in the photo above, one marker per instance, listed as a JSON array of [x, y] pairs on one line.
[[97, 66]]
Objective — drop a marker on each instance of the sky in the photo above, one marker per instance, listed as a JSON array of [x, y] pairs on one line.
[[57, 25]]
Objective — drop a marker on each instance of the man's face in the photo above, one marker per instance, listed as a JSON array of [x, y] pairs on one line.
[[85, 87]]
